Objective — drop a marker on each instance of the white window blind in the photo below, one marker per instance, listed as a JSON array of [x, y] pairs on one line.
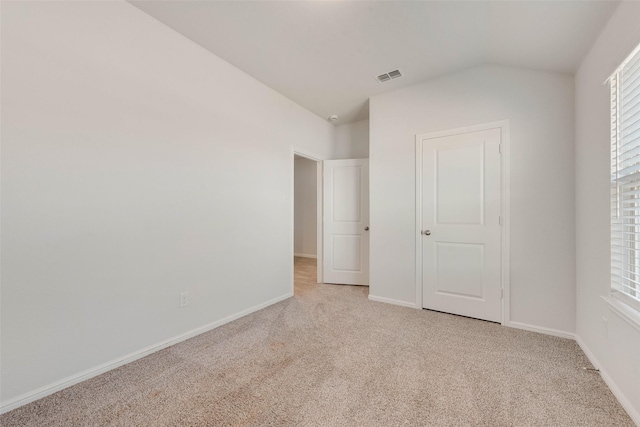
[[625, 180]]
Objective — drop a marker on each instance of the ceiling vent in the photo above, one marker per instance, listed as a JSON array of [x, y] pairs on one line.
[[389, 75]]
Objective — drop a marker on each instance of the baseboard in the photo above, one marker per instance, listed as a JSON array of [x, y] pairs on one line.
[[392, 301], [635, 416], [305, 255], [541, 330], [105, 367]]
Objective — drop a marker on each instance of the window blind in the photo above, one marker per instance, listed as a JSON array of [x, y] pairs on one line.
[[625, 180]]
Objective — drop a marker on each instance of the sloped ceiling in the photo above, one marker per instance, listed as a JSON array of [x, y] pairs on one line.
[[325, 55]]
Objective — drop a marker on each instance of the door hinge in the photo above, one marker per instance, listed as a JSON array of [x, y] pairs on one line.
[[501, 293], [500, 221], [499, 148]]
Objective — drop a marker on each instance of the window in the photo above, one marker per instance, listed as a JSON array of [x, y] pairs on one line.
[[625, 180]]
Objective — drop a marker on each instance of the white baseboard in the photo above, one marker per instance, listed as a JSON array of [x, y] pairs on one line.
[[305, 255], [541, 330], [635, 416], [100, 369], [392, 301]]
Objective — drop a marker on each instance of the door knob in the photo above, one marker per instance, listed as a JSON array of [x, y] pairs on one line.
[[426, 232], [366, 229]]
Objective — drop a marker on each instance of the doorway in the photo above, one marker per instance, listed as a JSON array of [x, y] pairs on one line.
[[307, 210], [341, 200], [305, 221]]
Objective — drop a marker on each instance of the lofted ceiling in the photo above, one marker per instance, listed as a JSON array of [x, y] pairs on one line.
[[325, 55]]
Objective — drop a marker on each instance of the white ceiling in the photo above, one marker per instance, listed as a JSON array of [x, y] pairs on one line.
[[325, 55]]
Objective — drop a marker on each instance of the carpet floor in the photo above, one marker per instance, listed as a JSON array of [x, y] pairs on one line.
[[331, 357]]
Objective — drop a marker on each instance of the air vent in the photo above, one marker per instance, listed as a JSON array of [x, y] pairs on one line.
[[395, 74], [389, 75]]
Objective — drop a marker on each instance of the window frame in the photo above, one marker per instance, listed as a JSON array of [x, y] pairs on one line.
[[625, 186]]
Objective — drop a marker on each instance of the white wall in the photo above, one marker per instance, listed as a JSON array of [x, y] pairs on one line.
[[135, 166], [616, 350], [352, 140], [539, 107], [305, 207]]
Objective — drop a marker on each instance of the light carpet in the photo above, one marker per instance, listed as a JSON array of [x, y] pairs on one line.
[[331, 357]]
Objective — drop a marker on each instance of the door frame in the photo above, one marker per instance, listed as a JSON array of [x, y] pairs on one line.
[[503, 125], [319, 218]]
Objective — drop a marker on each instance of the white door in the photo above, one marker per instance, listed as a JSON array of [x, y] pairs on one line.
[[346, 221], [461, 231]]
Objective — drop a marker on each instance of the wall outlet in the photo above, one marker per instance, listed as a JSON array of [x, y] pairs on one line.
[[184, 299]]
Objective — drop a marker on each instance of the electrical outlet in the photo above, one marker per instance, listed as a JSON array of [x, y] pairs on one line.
[[184, 299]]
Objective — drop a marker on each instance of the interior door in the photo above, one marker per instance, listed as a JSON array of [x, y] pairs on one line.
[[346, 221], [461, 224]]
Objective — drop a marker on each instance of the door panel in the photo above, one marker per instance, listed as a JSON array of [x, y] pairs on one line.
[[456, 281], [461, 196], [459, 179], [347, 184], [346, 215], [347, 253]]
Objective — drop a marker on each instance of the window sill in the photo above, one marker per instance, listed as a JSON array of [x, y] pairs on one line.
[[626, 313]]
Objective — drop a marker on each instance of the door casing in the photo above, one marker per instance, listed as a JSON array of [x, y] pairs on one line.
[[503, 125]]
